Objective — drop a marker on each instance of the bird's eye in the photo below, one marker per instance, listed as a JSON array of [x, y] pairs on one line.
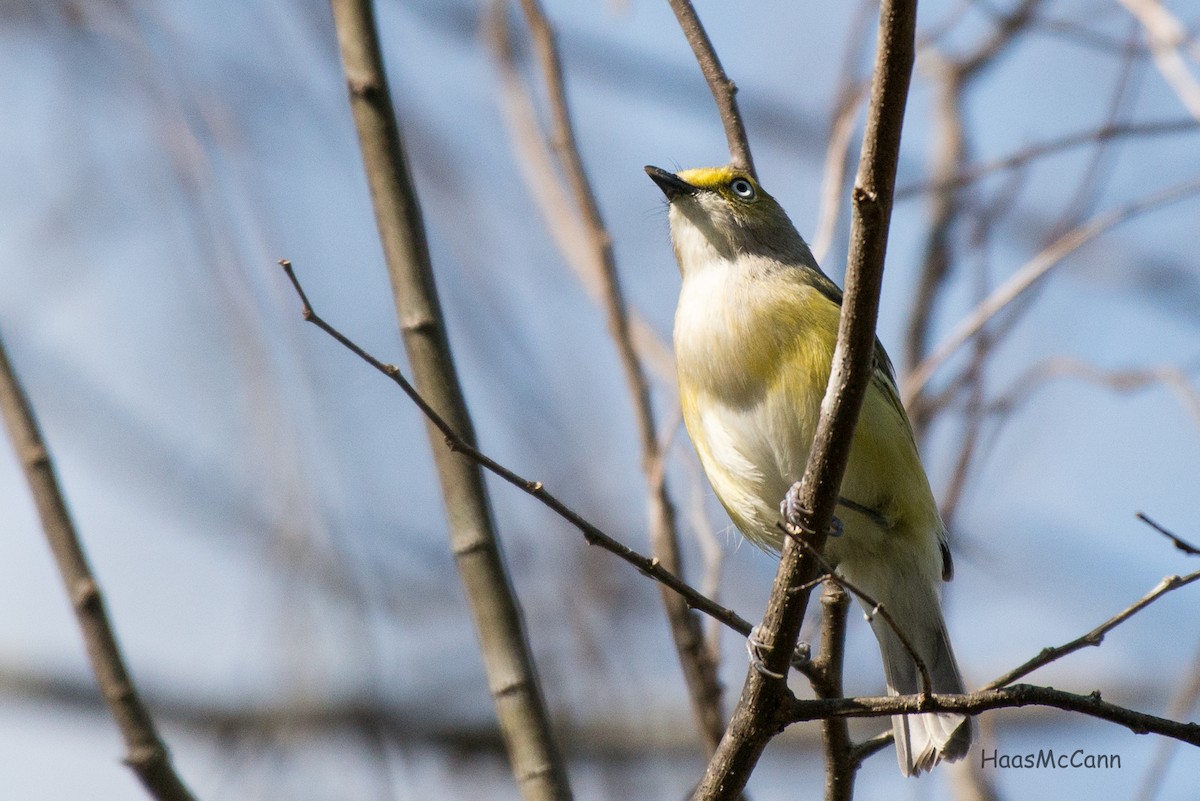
[[742, 188]]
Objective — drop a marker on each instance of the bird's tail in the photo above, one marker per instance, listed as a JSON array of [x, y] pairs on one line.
[[922, 740]]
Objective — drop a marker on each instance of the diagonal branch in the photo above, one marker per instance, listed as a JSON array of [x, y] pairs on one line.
[[1013, 696], [724, 90], [1031, 273], [651, 568], [145, 752], [697, 661], [755, 719], [1096, 635], [516, 692], [1180, 543]]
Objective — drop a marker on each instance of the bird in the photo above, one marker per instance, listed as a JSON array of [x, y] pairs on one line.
[[755, 331]]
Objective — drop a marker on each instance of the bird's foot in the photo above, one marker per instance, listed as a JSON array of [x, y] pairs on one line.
[[756, 649], [790, 509]]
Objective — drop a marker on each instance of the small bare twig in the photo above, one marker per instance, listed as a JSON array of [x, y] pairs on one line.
[[553, 202], [145, 752], [833, 180], [1009, 697], [851, 92], [1180, 708], [875, 608], [840, 765], [1096, 635], [1032, 272], [1179, 542], [696, 660], [1167, 36], [1175, 378], [1103, 133], [649, 567], [724, 90]]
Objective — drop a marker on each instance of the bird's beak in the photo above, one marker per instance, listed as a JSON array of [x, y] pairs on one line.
[[671, 184]]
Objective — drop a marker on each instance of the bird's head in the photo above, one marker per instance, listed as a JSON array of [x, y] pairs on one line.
[[722, 213]]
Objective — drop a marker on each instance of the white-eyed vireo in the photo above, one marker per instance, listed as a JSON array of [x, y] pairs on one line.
[[755, 332]]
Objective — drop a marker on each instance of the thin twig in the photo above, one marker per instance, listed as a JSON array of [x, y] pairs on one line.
[[754, 720], [1013, 696], [1179, 542], [649, 567], [553, 203], [1173, 377], [724, 90], [536, 762], [1180, 708], [876, 608], [1166, 36], [1104, 133], [696, 660], [1032, 272], [145, 752], [1096, 635], [852, 90], [840, 765]]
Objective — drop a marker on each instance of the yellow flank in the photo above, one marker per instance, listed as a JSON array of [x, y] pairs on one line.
[[754, 359]]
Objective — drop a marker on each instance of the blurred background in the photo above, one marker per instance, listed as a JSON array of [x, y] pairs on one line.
[[260, 507]]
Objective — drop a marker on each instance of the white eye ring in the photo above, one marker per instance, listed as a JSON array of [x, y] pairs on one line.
[[742, 188]]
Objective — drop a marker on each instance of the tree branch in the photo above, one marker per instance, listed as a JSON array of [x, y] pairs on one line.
[[840, 765], [512, 679], [698, 663], [755, 721], [145, 752], [1096, 635], [1016, 695], [1179, 543], [651, 568], [1032, 272], [724, 90]]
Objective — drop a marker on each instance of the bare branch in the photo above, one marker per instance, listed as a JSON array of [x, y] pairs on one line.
[[553, 203], [536, 762], [1179, 542], [699, 667], [1032, 272], [877, 608], [1103, 133], [649, 567], [762, 696], [724, 91], [1013, 696], [1096, 635], [1167, 36], [840, 764], [1180, 708], [1120, 380], [145, 752]]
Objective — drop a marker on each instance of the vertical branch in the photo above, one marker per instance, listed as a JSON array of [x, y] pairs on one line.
[[512, 680], [756, 718], [145, 752], [840, 764], [949, 153], [724, 90], [699, 667]]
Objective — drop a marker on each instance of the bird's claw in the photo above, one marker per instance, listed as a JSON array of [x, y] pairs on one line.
[[790, 509], [756, 649]]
